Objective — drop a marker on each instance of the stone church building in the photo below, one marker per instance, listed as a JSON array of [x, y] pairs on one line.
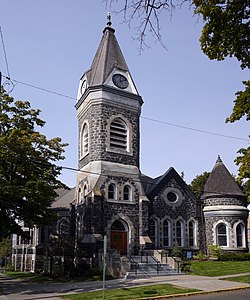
[[113, 200]]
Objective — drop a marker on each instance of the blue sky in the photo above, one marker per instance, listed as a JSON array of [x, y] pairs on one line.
[[50, 44]]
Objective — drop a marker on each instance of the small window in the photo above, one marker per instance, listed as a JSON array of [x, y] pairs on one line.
[[111, 192], [127, 193], [191, 233], [221, 232], [79, 195], [85, 140], [240, 235], [64, 228], [179, 233], [118, 135], [166, 233], [152, 230]]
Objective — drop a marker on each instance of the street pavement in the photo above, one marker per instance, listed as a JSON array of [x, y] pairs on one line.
[[15, 289]]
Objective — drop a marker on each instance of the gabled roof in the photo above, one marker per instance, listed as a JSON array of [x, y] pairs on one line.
[[108, 56], [65, 197], [221, 183], [153, 185]]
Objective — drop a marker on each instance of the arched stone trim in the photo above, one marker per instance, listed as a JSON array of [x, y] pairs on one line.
[[192, 240], [63, 231], [127, 195], [128, 125], [167, 238], [243, 235], [228, 233], [180, 237], [155, 236], [84, 141], [128, 225]]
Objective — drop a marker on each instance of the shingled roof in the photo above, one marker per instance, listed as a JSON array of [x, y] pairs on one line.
[[221, 183], [65, 197], [108, 56]]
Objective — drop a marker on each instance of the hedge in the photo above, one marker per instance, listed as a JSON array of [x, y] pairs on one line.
[[232, 256]]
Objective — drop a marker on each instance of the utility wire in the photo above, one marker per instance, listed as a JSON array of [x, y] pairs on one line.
[[140, 181], [5, 54], [146, 118], [195, 129]]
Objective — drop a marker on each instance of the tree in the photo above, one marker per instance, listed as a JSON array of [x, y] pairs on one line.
[[198, 183], [5, 247], [225, 33], [28, 175]]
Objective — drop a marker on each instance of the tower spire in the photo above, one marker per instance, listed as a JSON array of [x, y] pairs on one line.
[[109, 23]]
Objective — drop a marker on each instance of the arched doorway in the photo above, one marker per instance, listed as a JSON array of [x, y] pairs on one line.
[[119, 236]]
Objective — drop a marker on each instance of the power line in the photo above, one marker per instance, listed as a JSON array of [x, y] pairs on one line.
[[146, 118], [39, 88], [195, 129], [140, 181], [5, 54]]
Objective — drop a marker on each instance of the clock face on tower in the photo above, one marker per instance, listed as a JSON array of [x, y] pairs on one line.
[[83, 86], [120, 81]]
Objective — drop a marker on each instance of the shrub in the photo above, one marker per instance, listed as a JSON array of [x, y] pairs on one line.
[[214, 251], [234, 256], [200, 256]]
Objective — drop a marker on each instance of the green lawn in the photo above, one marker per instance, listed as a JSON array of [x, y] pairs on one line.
[[38, 278], [219, 268], [132, 293], [29, 277], [243, 279]]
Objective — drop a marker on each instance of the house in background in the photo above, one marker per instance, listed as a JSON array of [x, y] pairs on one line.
[[114, 200]]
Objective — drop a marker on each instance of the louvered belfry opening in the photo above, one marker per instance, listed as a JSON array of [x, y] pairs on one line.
[[118, 134]]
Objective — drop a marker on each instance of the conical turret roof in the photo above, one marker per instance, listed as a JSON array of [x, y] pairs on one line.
[[108, 56], [221, 183]]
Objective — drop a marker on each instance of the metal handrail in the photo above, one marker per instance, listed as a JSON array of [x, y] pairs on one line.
[[158, 264], [134, 263]]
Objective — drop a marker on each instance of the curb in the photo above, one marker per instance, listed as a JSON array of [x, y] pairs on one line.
[[196, 293]]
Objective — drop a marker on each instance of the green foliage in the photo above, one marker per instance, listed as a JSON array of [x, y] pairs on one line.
[[226, 29], [198, 183], [241, 109], [214, 251], [28, 175], [5, 247], [200, 256], [241, 104], [233, 256]]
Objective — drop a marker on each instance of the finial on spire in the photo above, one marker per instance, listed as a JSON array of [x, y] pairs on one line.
[[219, 159], [109, 20]]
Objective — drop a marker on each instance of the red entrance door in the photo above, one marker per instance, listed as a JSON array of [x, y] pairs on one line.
[[118, 241]]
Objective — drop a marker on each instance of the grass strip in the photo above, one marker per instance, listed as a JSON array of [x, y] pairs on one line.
[[133, 293], [219, 268], [244, 279]]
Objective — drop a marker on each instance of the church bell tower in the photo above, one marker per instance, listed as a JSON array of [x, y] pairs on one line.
[[108, 182]]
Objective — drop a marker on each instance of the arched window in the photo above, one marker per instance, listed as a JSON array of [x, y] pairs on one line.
[[240, 235], [79, 195], [191, 233], [85, 140], [112, 192], [221, 232], [64, 228], [152, 230], [179, 233], [118, 134], [127, 193], [166, 233]]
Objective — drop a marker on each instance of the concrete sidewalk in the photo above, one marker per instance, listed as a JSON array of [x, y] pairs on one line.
[[15, 289]]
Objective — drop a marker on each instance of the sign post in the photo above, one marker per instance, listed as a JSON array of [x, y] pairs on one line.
[[104, 265]]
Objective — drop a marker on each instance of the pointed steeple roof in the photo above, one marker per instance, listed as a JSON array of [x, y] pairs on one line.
[[221, 183], [108, 56]]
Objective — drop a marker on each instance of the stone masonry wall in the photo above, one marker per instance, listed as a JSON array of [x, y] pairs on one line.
[[98, 117]]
